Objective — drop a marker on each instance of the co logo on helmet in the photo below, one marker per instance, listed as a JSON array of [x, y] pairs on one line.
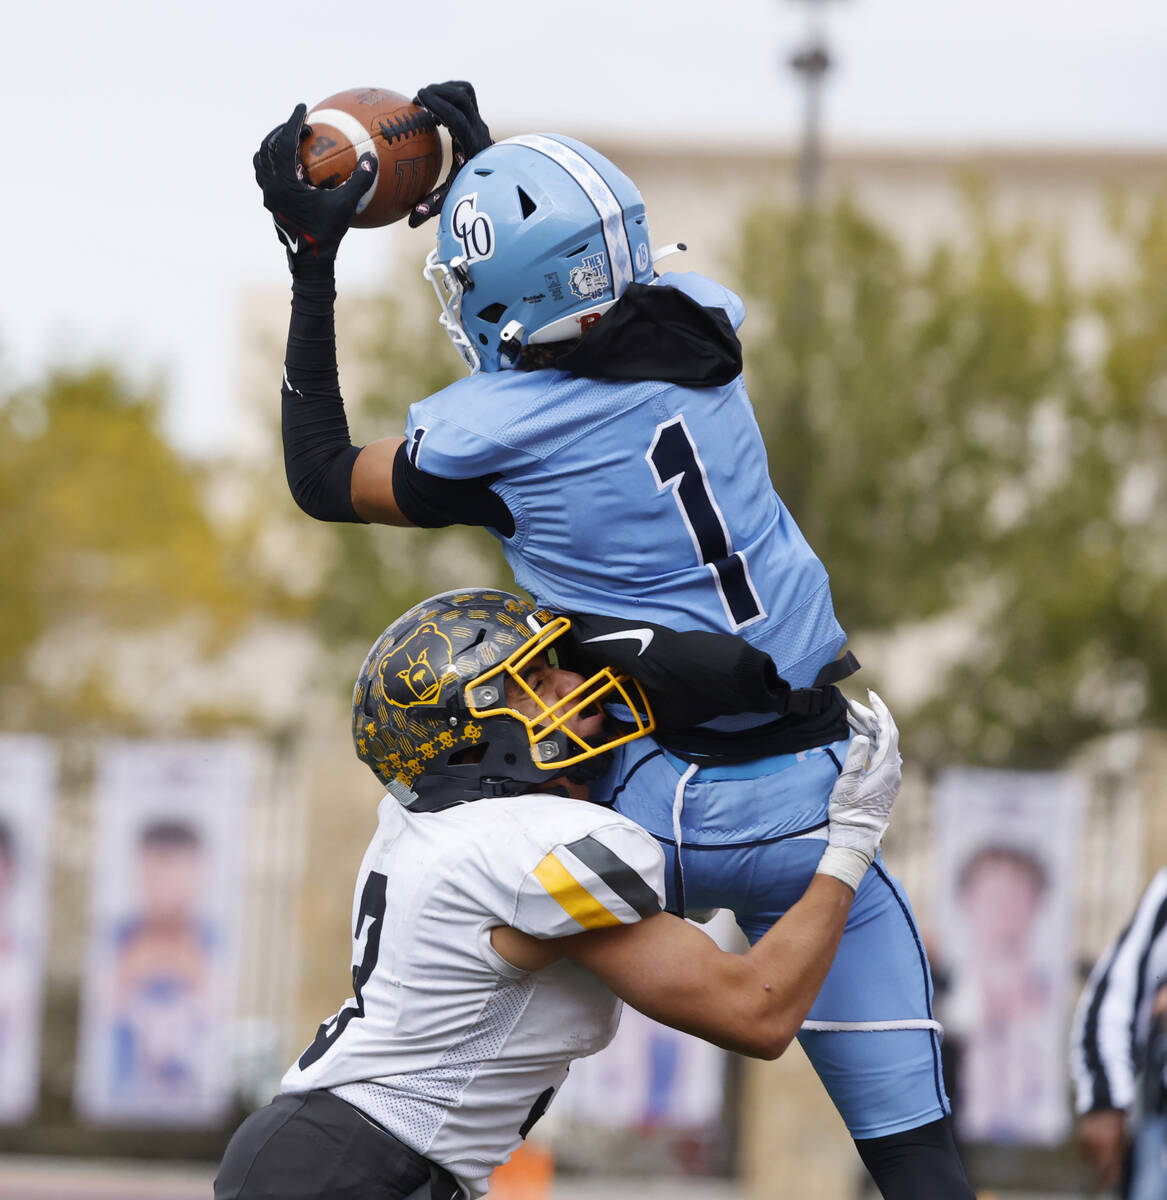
[[473, 229]]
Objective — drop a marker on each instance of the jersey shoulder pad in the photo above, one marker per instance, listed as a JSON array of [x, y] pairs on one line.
[[591, 869], [707, 292], [455, 433]]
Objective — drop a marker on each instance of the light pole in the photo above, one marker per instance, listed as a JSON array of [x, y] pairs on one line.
[[800, 318], [811, 62]]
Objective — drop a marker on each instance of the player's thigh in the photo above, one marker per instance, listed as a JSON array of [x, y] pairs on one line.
[[882, 949], [882, 1080], [314, 1147]]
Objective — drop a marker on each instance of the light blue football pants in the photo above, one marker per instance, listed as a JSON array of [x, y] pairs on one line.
[[751, 836]]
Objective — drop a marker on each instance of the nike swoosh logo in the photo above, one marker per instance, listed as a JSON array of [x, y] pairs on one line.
[[289, 385], [293, 243], [643, 636]]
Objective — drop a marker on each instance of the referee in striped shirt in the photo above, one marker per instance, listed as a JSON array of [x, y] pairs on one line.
[[1118, 1051]]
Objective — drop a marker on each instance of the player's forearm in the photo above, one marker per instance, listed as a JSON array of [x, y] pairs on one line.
[[754, 1004], [790, 962], [310, 360], [318, 452], [751, 1004]]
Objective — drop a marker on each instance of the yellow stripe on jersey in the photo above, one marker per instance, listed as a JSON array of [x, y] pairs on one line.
[[572, 896]]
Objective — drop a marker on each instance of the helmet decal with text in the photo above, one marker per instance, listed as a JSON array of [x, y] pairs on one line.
[[589, 280], [473, 229]]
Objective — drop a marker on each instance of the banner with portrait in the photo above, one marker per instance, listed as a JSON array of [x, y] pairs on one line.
[[1007, 845], [159, 988], [28, 781]]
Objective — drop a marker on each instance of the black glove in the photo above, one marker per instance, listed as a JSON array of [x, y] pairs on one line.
[[455, 106], [310, 221]]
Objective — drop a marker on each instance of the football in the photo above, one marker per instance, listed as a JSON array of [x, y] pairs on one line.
[[402, 136]]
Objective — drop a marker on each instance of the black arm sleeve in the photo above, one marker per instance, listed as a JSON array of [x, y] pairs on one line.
[[430, 501], [318, 453]]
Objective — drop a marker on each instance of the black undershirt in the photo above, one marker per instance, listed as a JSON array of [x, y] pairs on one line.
[[430, 501]]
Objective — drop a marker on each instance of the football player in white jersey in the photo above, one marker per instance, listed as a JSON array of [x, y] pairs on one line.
[[499, 918]]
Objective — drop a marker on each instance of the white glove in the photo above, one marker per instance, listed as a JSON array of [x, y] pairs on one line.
[[862, 719], [861, 799]]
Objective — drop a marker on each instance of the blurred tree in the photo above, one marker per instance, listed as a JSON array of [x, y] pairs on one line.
[[972, 435], [104, 532]]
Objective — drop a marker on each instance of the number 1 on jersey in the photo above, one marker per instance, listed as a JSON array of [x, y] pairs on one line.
[[676, 464]]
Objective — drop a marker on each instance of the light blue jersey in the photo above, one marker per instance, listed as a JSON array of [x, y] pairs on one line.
[[652, 501], [639, 500]]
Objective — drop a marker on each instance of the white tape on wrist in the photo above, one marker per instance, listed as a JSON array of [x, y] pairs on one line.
[[844, 863]]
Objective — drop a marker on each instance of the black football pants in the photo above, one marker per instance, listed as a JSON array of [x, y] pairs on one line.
[[318, 1147]]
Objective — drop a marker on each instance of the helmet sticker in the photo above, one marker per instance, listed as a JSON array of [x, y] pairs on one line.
[[589, 280], [554, 286], [421, 676], [642, 257], [474, 229]]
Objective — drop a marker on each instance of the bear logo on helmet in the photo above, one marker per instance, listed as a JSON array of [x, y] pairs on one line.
[[421, 676]]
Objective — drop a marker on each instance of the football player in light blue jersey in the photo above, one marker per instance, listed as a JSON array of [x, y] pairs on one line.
[[605, 437]]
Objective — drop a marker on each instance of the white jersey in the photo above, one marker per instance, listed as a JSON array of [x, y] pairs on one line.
[[445, 1044]]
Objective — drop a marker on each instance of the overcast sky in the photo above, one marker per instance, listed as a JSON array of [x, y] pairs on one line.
[[131, 220]]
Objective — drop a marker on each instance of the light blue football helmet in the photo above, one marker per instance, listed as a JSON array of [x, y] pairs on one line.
[[538, 237]]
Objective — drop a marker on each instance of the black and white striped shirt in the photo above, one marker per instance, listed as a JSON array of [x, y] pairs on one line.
[[1109, 1032]]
